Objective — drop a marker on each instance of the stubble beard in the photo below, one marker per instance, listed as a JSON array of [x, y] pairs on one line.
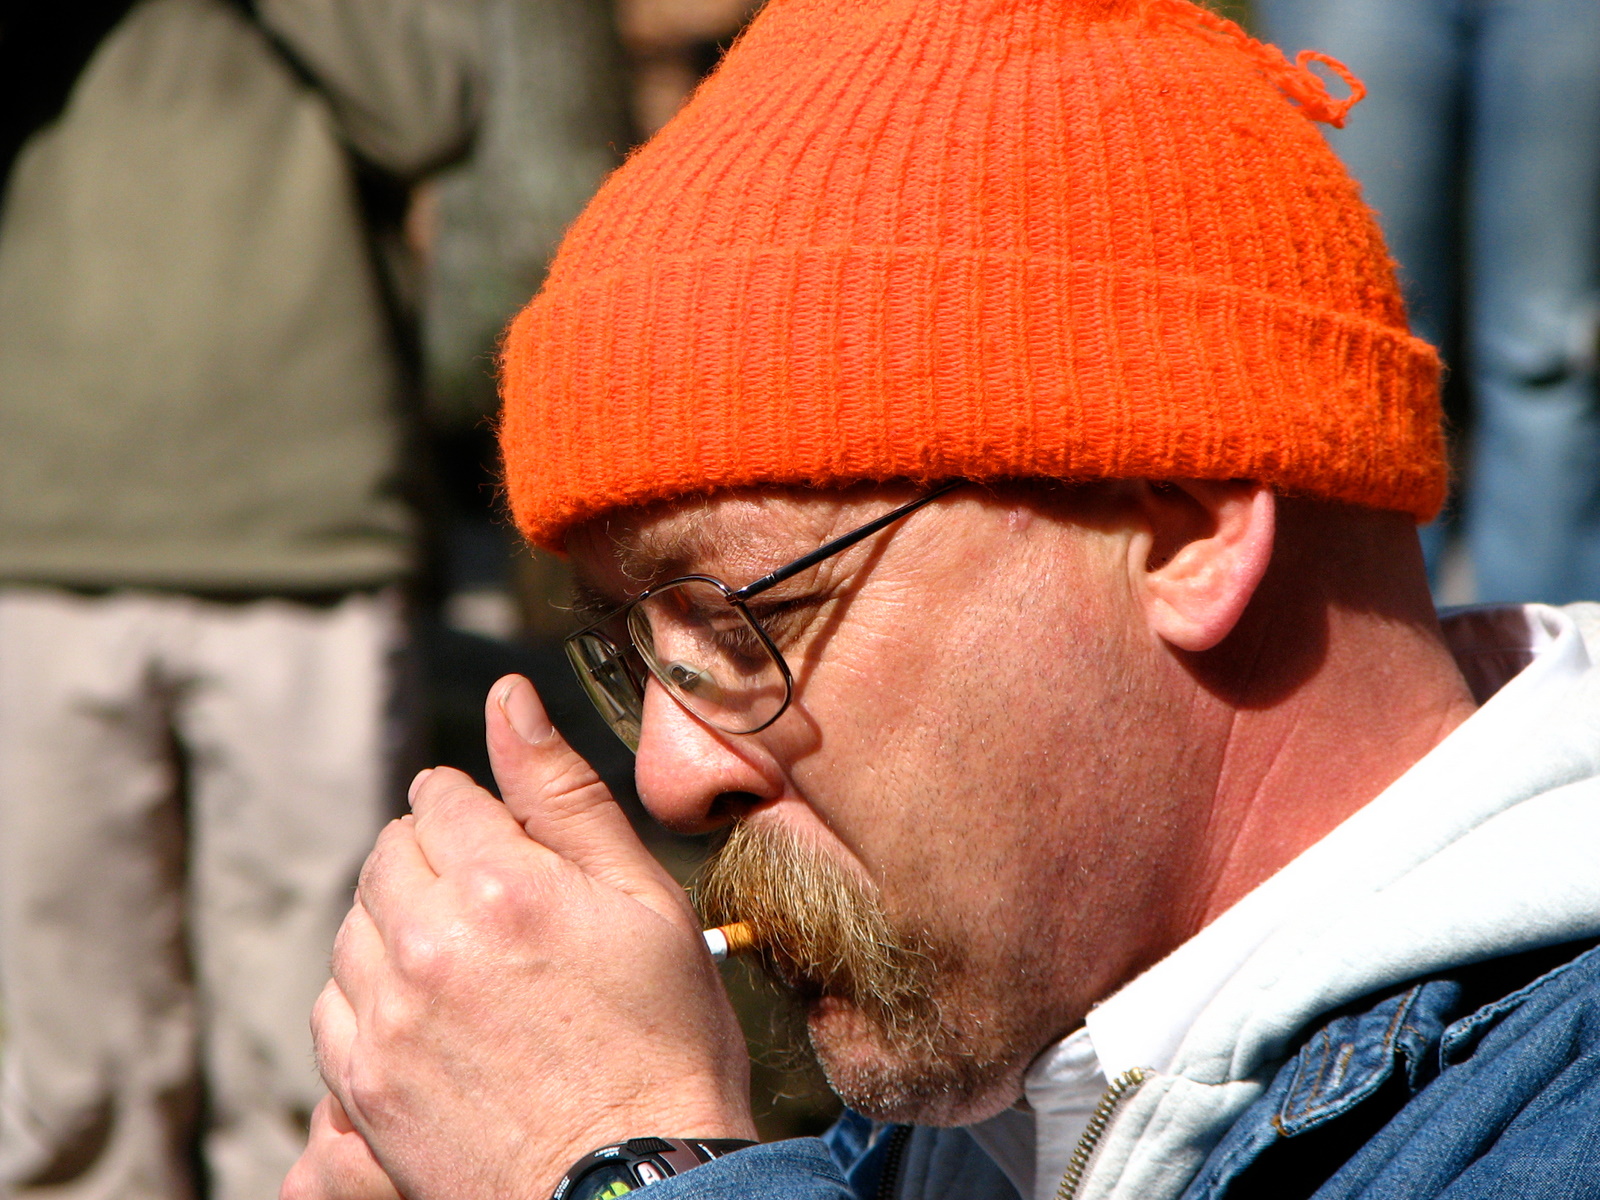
[[881, 1002]]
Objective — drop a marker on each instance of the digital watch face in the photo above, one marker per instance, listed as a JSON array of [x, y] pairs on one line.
[[617, 1178], [613, 1171], [605, 1183]]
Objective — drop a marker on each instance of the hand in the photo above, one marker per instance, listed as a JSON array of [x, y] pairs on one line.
[[337, 1164], [519, 983]]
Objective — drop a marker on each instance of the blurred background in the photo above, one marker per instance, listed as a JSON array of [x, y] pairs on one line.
[[255, 259]]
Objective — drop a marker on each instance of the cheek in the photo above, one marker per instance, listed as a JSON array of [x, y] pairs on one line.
[[961, 742], [937, 766], [968, 762]]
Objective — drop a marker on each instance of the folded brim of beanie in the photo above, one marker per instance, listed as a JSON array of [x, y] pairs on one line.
[[830, 366]]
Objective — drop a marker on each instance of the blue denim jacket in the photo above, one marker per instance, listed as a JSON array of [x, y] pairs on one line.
[[1480, 1083]]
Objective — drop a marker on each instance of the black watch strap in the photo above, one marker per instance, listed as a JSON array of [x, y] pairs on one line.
[[623, 1167]]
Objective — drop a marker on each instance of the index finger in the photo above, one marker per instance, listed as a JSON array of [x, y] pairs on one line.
[[394, 863], [457, 822], [337, 1163]]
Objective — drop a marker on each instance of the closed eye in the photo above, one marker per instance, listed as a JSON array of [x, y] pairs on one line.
[[785, 619]]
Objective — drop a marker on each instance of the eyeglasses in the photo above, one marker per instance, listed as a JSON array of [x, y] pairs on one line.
[[697, 638]]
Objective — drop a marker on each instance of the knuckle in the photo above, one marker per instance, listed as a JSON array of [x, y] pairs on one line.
[[394, 1020], [487, 890], [320, 1009], [370, 1093], [386, 838], [497, 896], [342, 949], [420, 954]]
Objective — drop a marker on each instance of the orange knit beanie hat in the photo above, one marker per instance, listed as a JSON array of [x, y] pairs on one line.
[[928, 239]]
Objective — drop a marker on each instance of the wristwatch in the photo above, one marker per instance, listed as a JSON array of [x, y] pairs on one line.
[[621, 1167]]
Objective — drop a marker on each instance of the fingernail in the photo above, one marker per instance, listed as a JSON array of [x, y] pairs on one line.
[[524, 713], [411, 792]]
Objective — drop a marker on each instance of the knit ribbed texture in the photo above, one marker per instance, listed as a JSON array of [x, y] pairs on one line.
[[988, 239]]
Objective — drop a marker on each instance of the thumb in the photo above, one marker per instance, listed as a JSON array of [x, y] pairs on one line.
[[558, 797]]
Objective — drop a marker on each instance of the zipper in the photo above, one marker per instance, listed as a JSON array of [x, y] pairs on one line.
[[893, 1153], [1078, 1164]]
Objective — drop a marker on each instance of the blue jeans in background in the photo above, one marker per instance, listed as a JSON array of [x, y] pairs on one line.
[[1479, 146]]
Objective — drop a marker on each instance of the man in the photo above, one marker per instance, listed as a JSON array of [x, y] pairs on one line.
[[988, 438], [201, 536]]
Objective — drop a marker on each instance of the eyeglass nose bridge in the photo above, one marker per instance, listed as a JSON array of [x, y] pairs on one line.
[[689, 677]]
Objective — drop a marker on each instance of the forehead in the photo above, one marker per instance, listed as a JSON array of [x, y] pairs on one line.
[[736, 535]]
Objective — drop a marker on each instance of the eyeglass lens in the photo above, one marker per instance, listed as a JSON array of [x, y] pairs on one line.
[[703, 649], [613, 688], [709, 654]]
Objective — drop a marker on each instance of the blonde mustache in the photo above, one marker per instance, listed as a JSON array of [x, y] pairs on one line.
[[819, 930]]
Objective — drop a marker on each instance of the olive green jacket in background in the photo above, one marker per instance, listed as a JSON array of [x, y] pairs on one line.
[[198, 380]]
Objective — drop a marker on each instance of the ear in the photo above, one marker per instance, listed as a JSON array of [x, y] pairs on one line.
[[1201, 555]]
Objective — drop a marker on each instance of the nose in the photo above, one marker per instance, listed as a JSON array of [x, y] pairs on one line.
[[692, 778]]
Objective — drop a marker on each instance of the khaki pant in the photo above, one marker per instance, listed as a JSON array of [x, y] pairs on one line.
[[187, 790]]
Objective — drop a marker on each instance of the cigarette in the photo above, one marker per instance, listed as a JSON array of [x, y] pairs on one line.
[[729, 941]]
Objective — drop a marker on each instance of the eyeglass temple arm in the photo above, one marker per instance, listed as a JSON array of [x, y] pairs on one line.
[[829, 549]]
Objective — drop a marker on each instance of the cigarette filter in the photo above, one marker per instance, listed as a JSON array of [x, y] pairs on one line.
[[729, 941]]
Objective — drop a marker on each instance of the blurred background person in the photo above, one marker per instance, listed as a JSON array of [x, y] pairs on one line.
[[553, 124], [203, 522], [1479, 145], [671, 46]]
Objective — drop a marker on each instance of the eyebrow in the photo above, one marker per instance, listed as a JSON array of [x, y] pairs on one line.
[[667, 559], [664, 555], [589, 603], [673, 557]]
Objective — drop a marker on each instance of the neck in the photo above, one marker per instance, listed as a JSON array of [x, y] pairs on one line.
[[1336, 682]]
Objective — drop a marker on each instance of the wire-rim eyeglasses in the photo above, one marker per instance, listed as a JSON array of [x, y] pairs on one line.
[[696, 636]]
